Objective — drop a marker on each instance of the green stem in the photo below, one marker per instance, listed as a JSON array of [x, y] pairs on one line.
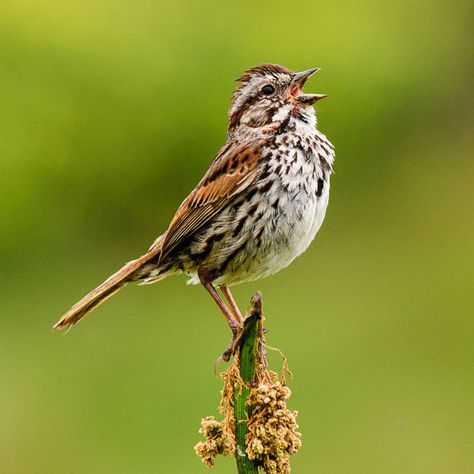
[[249, 345]]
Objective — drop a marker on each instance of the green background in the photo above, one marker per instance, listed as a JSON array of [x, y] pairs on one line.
[[110, 112]]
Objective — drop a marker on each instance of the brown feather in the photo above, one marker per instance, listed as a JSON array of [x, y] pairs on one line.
[[230, 173], [107, 289], [262, 70]]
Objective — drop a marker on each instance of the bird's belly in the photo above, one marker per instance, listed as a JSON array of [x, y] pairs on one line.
[[272, 242], [293, 233]]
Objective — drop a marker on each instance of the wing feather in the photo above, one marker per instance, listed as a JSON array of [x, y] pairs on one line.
[[232, 171]]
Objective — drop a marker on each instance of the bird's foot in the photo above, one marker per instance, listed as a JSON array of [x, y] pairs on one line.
[[231, 347]]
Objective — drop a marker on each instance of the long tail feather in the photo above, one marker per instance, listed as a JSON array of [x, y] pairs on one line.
[[107, 289]]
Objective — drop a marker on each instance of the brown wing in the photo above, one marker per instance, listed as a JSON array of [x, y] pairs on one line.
[[232, 171]]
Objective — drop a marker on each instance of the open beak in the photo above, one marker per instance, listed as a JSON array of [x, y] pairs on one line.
[[296, 88]]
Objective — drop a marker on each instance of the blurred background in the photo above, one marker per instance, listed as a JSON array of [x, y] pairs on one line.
[[111, 112]]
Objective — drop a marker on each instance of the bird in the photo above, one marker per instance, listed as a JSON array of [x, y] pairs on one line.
[[258, 206]]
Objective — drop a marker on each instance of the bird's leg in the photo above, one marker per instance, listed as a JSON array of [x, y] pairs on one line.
[[231, 320], [233, 305]]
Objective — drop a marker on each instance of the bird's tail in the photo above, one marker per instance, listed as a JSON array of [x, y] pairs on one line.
[[129, 272]]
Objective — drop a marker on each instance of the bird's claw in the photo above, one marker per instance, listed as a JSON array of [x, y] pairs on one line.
[[230, 349]]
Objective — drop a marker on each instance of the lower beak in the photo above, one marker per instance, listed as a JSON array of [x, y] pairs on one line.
[[310, 98]]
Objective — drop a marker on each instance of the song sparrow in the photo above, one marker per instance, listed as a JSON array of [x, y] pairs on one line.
[[256, 209]]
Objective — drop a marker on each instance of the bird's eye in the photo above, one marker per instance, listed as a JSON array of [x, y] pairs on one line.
[[268, 90]]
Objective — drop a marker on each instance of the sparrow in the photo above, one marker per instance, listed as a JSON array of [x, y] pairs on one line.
[[258, 206]]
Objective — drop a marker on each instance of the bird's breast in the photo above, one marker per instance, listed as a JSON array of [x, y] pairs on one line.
[[301, 189], [266, 227]]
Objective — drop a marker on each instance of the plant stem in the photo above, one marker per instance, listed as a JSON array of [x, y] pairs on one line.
[[250, 344]]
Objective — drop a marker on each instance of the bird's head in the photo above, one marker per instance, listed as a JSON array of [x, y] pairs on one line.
[[270, 93]]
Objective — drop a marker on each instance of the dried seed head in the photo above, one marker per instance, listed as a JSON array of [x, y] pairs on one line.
[[273, 434], [215, 441]]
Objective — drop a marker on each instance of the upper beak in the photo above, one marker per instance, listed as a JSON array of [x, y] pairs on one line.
[[296, 89], [301, 77]]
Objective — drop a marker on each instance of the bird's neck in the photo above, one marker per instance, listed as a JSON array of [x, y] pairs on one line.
[[286, 120]]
